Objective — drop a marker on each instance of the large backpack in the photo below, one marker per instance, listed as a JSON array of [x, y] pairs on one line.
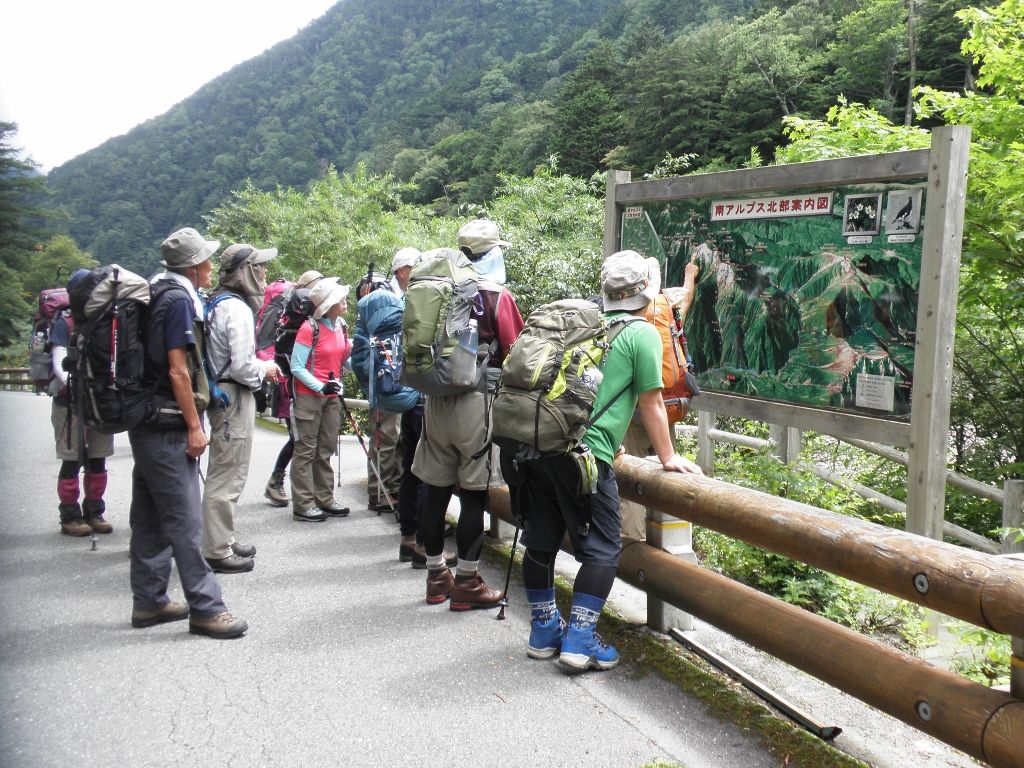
[[106, 359], [679, 385], [52, 303], [275, 300], [297, 310], [377, 352], [441, 304], [549, 379]]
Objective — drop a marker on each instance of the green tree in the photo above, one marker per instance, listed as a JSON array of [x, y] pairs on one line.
[[20, 232]]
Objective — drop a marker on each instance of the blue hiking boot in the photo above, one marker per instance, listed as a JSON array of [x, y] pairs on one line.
[[545, 638], [583, 649]]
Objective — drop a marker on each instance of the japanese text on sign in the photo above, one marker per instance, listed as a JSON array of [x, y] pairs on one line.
[[816, 204]]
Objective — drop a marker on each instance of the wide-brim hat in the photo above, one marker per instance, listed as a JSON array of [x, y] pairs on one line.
[[238, 254], [480, 236], [325, 294], [308, 278], [186, 248], [629, 281]]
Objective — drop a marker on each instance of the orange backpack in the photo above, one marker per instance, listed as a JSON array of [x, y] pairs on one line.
[[679, 385]]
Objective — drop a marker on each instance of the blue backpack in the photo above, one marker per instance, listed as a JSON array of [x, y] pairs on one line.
[[377, 352]]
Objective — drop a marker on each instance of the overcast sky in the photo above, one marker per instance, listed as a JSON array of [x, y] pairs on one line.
[[74, 73]]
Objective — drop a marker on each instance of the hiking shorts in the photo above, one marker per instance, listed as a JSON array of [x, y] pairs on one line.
[[551, 506], [100, 445], [455, 443]]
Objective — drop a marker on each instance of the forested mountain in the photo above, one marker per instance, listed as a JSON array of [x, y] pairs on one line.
[[447, 94]]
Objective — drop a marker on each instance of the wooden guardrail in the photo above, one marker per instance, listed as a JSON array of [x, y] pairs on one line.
[[983, 589], [16, 378]]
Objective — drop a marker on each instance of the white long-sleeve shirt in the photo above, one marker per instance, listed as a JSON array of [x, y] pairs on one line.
[[231, 333]]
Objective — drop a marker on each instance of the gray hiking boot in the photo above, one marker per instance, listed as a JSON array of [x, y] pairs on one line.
[[275, 490]]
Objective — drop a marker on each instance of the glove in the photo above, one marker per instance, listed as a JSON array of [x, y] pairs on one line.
[[332, 387]]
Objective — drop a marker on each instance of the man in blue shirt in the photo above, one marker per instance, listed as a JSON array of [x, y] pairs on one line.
[[166, 511]]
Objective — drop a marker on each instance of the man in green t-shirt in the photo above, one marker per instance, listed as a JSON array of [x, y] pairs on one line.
[[549, 492]]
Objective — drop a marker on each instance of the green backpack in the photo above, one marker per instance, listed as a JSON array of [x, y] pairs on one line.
[[550, 378], [440, 346]]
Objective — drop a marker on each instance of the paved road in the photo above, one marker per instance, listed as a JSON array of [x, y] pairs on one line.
[[344, 665]]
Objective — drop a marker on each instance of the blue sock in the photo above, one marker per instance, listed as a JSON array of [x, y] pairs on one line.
[[542, 604], [585, 611]]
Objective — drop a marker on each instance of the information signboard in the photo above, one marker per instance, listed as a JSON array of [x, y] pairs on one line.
[[804, 296]]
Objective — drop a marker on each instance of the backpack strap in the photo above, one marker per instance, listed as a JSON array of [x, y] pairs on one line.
[[615, 327], [208, 311]]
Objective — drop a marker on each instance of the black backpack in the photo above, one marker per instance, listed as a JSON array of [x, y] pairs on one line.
[[297, 311], [106, 359]]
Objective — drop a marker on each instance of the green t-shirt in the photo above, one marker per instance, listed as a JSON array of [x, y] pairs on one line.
[[634, 361]]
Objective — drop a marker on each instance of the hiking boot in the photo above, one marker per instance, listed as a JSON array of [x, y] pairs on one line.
[[545, 638], [439, 585], [419, 558], [334, 509], [275, 490], [223, 626], [470, 592], [71, 521], [406, 549], [100, 525], [378, 506], [311, 515], [243, 550], [583, 649], [231, 564], [93, 509], [75, 526], [168, 612]]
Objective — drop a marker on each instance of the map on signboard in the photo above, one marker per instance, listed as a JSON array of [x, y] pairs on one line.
[[808, 298]]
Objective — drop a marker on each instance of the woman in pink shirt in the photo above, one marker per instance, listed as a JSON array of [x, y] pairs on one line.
[[321, 348]]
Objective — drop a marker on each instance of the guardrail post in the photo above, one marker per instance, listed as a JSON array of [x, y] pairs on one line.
[[675, 537], [787, 442], [1013, 517], [705, 445]]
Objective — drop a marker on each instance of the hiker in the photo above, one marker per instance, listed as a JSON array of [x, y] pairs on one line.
[[321, 348], [166, 510], [384, 476], [75, 519], [549, 496], [454, 446], [233, 366], [378, 336], [636, 442], [292, 314], [401, 267]]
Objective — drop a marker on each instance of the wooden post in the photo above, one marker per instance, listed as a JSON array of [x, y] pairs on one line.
[[612, 217], [705, 446], [1013, 517], [936, 321], [786, 441]]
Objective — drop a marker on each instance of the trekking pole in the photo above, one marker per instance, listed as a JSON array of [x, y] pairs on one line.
[[508, 576], [359, 436], [115, 327]]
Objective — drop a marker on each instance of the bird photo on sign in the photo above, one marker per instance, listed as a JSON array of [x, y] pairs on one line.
[[903, 212]]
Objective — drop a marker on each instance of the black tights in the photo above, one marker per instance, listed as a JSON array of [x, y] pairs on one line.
[[469, 536], [69, 469], [539, 573]]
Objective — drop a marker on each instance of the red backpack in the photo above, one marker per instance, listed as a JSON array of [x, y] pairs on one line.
[[52, 301]]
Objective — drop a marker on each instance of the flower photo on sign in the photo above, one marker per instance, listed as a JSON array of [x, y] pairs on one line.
[[862, 214]]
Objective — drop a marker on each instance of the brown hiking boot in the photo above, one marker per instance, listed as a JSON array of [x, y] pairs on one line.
[[470, 592], [439, 585], [76, 526], [223, 626], [100, 525], [170, 612]]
